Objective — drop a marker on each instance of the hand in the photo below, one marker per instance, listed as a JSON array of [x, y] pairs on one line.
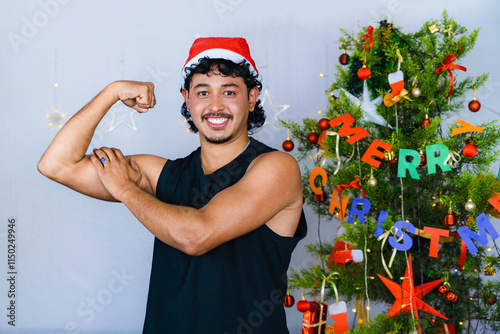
[[116, 172], [135, 94]]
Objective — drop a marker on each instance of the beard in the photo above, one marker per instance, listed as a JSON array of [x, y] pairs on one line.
[[218, 140]]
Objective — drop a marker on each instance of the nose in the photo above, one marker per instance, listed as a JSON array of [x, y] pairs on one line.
[[216, 104]]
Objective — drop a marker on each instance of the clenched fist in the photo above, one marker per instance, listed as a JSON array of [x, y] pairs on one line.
[[135, 94]]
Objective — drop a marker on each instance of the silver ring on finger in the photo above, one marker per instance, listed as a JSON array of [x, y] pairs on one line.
[[104, 160]]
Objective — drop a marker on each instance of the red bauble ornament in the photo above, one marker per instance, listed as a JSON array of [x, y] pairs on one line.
[[364, 73], [442, 289], [344, 59], [320, 197], [474, 105], [312, 138], [491, 300], [470, 150], [423, 159], [323, 124], [303, 305], [288, 145], [289, 300], [450, 220], [393, 162], [451, 297], [425, 122]]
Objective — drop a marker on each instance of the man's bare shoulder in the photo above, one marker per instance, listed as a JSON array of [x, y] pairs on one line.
[[276, 162], [278, 170]]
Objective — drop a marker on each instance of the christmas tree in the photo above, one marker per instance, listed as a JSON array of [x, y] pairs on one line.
[[413, 195]]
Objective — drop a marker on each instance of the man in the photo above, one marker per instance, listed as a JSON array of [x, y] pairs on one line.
[[226, 218]]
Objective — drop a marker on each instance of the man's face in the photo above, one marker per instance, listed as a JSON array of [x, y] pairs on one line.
[[219, 106]]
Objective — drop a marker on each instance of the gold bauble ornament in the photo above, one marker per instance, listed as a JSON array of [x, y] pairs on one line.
[[470, 205], [416, 92]]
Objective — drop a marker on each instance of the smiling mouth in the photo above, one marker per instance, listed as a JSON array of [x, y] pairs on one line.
[[216, 119]]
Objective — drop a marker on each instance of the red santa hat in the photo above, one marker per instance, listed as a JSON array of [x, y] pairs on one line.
[[231, 48]]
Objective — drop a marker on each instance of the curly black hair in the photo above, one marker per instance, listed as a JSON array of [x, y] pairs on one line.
[[226, 67]]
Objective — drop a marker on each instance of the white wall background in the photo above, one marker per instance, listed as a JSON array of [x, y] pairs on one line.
[[83, 265]]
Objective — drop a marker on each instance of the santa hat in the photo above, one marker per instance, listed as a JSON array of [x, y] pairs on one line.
[[231, 48]]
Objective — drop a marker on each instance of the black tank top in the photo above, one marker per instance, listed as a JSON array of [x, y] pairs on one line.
[[239, 286]]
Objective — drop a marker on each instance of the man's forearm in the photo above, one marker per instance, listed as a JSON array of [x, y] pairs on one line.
[[177, 226], [71, 143]]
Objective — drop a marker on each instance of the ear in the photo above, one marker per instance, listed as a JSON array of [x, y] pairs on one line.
[[253, 95], [185, 95]]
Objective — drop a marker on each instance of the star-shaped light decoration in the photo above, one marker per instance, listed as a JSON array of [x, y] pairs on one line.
[[273, 121], [408, 297], [121, 114], [367, 105], [56, 118]]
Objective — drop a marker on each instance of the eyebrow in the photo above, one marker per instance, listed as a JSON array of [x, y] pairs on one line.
[[202, 85]]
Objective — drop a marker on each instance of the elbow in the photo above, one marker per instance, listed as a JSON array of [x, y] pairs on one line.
[[194, 251], [44, 167], [48, 169], [195, 247], [195, 243]]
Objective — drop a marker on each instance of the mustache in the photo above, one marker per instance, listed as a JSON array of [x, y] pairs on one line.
[[216, 114]]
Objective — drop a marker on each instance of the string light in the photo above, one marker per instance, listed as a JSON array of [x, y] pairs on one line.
[[56, 118]]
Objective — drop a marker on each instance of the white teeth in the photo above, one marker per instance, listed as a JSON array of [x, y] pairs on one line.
[[217, 120]]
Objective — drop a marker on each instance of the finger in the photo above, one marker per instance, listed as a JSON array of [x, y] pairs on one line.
[[142, 105], [101, 155], [110, 154], [139, 109], [95, 160], [118, 153], [152, 95], [134, 165]]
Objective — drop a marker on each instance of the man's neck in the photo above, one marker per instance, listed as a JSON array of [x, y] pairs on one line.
[[215, 156]]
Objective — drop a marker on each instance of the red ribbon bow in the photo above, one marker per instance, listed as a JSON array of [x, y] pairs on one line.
[[341, 187], [448, 65], [368, 37], [354, 184]]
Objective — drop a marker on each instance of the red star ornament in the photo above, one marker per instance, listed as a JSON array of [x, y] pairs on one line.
[[408, 296]]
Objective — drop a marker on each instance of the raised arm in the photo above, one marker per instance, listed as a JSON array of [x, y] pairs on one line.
[[65, 161]]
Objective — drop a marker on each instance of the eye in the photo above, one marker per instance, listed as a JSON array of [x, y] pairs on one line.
[[202, 93], [229, 93]]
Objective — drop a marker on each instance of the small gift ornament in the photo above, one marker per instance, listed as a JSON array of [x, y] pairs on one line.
[[314, 321], [446, 329]]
